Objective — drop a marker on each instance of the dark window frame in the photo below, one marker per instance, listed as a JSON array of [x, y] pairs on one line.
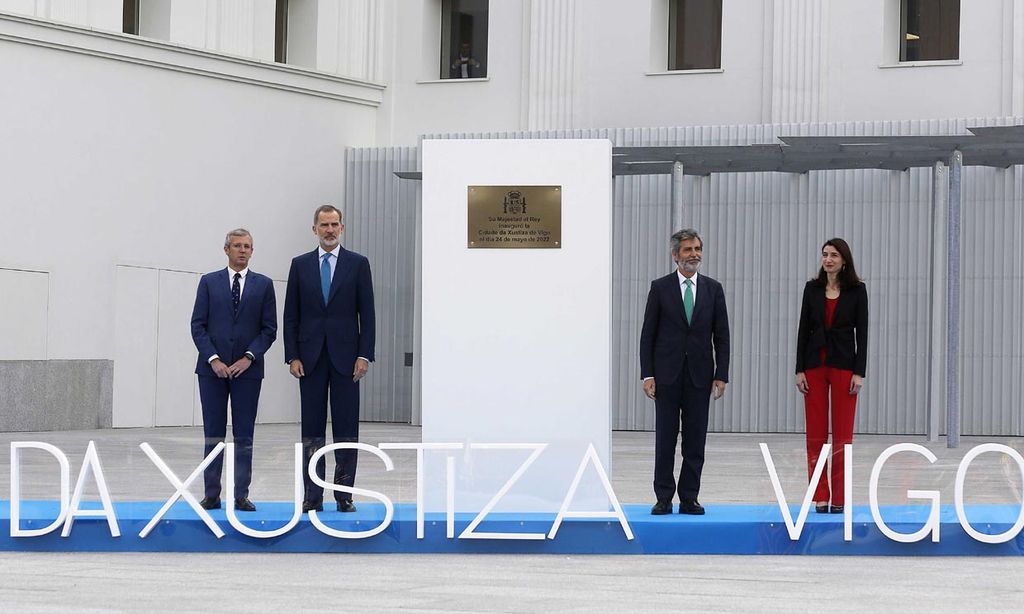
[[929, 30], [130, 17], [281, 31], [677, 56], [476, 35]]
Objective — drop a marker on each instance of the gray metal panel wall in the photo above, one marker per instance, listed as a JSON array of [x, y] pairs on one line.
[[380, 223], [992, 301], [763, 232]]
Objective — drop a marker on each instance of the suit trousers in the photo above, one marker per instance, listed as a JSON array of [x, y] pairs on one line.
[[823, 384], [322, 383], [680, 408], [244, 394]]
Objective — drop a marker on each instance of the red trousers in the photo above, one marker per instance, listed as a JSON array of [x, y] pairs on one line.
[[825, 383]]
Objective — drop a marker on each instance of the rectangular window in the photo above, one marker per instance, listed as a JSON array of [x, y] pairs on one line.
[[694, 34], [281, 31], [130, 17], [929, 30], [463, 39]]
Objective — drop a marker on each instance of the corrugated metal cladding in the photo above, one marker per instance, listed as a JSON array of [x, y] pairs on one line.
[[380, 223], [763, 233]]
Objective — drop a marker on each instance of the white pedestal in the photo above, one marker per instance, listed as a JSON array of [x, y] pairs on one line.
[[516, 342]]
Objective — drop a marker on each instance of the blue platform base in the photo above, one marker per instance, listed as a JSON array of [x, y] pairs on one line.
[[726, 529]]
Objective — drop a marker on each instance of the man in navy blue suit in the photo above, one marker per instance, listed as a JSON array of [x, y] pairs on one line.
[[328, 344], [234, 323], [684, 357]]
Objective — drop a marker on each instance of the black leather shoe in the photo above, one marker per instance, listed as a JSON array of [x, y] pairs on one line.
[[210, 503], [312, 505], [836, 509], [346, 506], [821, 508], [243, 504], [691, 507], [661, 508]]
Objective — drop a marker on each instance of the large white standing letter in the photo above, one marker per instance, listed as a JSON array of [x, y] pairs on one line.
[[449, 481], [537, 449], [181, 489], [91, 463], [796, 528], [961, 474], [389, 508], [932, 524], [229, 486], [65, 481], [591, 457]]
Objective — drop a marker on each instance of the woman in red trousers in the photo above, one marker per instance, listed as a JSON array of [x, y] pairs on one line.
[[831, 359]]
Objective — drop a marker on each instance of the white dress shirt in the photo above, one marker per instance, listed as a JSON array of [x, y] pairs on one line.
[[682, 286], [332, 261]]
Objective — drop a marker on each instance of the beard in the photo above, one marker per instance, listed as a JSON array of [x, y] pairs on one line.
[[330, 242], [689, 266]]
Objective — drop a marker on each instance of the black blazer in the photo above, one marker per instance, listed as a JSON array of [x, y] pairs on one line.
[[669, 345], [846, 342]]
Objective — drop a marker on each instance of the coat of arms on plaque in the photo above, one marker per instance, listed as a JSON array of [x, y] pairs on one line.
[[515, 203]]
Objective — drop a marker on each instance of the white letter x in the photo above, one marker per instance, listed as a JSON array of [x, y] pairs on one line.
[[181, 488]]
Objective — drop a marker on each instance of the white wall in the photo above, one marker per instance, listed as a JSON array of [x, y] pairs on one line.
[[561, 64], [23, 314], [564, 64], [109, 164], [516, 342], [102, 14], [866, 81], [236, 27], [421, 103]]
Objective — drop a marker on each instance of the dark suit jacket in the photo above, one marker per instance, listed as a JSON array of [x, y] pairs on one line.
[[216, 330], [846, 343], [668, 344], [345, 325]]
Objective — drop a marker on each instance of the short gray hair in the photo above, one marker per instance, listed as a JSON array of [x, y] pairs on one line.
[[325, 209], [238, 232], [685, 234]]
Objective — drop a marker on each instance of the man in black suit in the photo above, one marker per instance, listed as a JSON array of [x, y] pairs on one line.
[[328, 345], [684, 357], [234, 322]]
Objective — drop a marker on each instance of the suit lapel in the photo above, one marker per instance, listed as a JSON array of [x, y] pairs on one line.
[[676, 297], [251, 285], [845, 296], [224, 286], [703, 299], [340, 268], [818, 304], [314, 273]]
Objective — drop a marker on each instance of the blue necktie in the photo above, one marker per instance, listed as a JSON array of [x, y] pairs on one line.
[[325, 276]]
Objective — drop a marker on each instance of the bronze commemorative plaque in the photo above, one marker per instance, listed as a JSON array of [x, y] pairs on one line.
[[515, 217]]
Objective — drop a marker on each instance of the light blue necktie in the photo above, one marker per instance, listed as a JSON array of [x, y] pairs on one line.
[[688, 301], [325, 276]]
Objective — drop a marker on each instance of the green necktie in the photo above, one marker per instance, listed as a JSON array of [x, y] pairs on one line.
[[688, 301]]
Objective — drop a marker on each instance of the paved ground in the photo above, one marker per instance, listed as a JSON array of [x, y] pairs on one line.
[[735, 473]]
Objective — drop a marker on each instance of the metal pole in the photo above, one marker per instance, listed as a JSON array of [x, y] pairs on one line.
[[953, 303], [936, 294], [677, 196]]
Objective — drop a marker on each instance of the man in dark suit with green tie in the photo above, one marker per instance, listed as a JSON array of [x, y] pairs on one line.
[[684, 359]]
